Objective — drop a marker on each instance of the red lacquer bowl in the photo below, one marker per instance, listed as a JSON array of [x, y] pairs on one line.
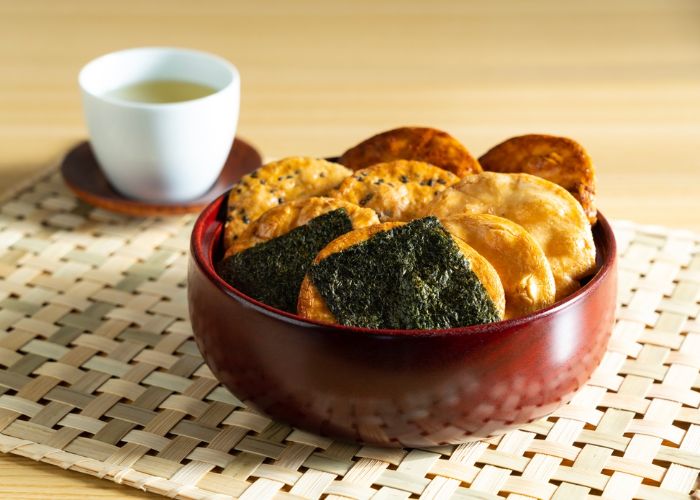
[[397, 387]]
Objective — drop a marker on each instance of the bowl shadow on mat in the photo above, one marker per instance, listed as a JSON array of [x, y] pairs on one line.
[[398, 387]]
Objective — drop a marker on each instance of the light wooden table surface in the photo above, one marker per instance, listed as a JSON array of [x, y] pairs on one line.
[[623, 78]]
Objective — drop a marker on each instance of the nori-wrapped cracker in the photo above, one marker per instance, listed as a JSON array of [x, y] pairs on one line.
[[272, 271], [409, 277]]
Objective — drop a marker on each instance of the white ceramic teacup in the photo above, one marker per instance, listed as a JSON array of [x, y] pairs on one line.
[[161, 152]]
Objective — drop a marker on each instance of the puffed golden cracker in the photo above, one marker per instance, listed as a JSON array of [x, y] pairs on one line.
[[557, 159], [283, 218], [546, 210], [396, 190], [424, 144], [311, 304], [525, 273], [276, 183]]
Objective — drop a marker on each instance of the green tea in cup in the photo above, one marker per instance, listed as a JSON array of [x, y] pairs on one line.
[[161, 91]]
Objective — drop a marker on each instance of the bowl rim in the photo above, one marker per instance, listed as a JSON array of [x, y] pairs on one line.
[[202, 259]]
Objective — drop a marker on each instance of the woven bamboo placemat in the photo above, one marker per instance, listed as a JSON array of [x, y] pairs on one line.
[[99, 373]]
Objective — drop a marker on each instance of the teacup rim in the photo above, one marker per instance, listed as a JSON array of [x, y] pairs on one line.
[[223, 62]]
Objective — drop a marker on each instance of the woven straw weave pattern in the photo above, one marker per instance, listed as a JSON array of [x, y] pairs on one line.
[[99, 373]]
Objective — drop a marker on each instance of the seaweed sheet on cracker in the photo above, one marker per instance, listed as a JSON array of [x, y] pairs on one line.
[[413, 275]]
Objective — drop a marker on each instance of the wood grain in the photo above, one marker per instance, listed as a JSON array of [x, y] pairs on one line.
[[621, 77], [25, 479]]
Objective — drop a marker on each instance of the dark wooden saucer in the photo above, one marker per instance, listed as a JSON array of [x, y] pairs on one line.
[[85, 178]]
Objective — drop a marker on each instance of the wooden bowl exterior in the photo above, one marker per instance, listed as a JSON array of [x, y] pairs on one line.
[[392, 387]]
